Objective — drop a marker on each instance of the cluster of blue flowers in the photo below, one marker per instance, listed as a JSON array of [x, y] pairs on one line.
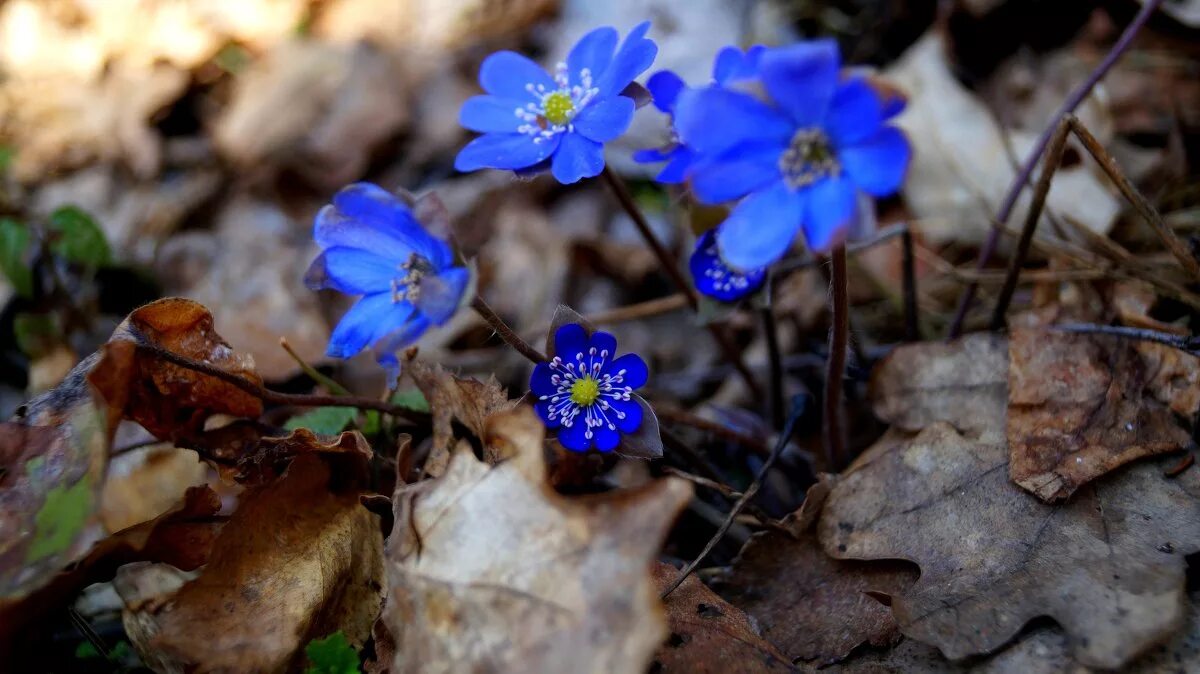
[[784, 132]]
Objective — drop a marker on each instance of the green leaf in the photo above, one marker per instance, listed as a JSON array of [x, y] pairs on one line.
[[75, 237], [331, 655], [411, 399], [36, 333], [60, 519], [324, 420], [14, 247], [7, 154], [86, 651]]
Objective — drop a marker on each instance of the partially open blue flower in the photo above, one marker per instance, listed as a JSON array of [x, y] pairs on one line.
[[373, 245], [800, 158], [528, 117], [715, 279], [586, 391], [731, 65]]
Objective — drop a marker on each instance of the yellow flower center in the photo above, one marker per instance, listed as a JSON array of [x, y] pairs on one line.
[[584, 391], [559, 107]]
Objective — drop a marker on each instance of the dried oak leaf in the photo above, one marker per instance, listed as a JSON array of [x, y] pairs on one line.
[[52, 461], [451, 397], [1107, 565], [168, 400], [814, 607], [708, 634], [1078, 408], [295, 562], [490, 569]]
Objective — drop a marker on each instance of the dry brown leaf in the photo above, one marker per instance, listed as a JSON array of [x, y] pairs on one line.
[[168, 400], [813, 607], [1107, 565], [295, 562], [491, 570], [708, 634], [348, 454], [142, 484], [451, 397], [1077, 409]]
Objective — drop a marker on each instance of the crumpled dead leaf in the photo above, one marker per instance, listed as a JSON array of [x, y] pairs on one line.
[[166, 399], [815, 608], [451, 398], [295, 562], [491, 570], [142, 484], [708, 634], [1078, 408], [1107, 565]]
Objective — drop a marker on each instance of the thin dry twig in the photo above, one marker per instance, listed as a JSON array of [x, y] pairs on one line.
[[686, 418], [506, 333], [839, 334]]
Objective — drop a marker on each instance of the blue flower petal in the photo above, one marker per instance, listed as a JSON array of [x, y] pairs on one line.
[[802, 78], [577, 158], [677, 169], [594, 51], [606, 438], [830, 207], [603, 341], [854, 114], [713, 120], [574, 437], [570, 340], [369, 318], [540, 380], [491, 114], [542, 407], [635, 371], [714, 278], [606, 119], [368, 217], [732, 64], [664, 87], [635, 55], [737, 173], [761, 228], [633, 415], [391, 341], [653, 155], [878, 164], [352, 271], [504, 151], [441, 295], [508, 74]]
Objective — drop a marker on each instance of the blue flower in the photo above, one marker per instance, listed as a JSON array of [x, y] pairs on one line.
[[586, 391], [529, 118], [731, 65], [372, 245], [715, 279], [800, 158]]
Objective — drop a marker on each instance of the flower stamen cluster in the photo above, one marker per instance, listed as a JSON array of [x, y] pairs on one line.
[[554, 110], [808, 158], [407, 288], [583, 388]]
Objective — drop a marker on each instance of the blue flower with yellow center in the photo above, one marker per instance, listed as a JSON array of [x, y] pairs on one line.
[[798, 154], [529, 118], [586, 391], [373, 245]]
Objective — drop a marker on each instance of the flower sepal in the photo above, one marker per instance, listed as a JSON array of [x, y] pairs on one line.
[[644, 442]]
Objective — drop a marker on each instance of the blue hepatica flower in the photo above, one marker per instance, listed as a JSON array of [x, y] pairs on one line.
[[731, 66], [799, 158], [715, 279], [586, 391], [529, 118], [373, 245]]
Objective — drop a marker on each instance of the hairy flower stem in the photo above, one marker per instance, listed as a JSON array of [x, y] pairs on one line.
[[730, 351], [834, 441], [506, 333], [275, 397], [1023, 177], [770, 332]]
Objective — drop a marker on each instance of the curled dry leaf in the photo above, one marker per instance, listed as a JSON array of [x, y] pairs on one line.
[[348, 454], [814, 607], [451, 397], [296, 561], [708, 634], [1107, 565], [1078, 408], [490, 569], [171, 401]]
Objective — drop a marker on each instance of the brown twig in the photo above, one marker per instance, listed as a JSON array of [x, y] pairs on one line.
[[881, 236], [1010, 199], [506, 333], [629, 312], [665, 261], [834, 443], [1186, 344], [775, 362], [685, 418], [912, 316], [275, 397], [731, 494], [784, 437]]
